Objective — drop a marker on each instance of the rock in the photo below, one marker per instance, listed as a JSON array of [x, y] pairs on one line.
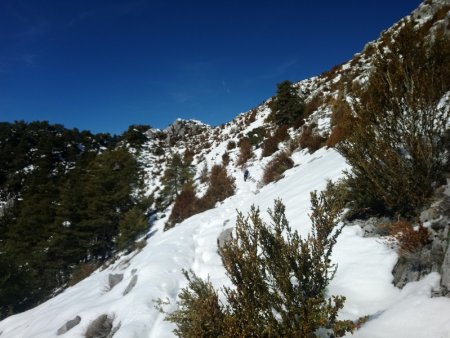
[[101, 327], [439, 223], [413, 267], [114, 279], [439, 209], [224, 237], [445, 272], [372, 227], [68, 325], [130, 285]]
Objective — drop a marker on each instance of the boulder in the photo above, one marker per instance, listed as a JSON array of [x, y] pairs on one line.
[[114, 279], [68, 325], [130, 285], [224, 237]]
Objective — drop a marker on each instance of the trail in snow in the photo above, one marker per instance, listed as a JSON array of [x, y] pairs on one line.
[[363, 275]]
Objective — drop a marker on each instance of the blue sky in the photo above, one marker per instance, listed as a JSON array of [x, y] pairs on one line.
[[105, 64]]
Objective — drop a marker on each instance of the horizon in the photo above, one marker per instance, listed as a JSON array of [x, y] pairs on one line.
[[102, 67]]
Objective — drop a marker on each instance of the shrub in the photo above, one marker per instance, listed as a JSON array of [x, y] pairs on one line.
[[246, 151], [256, 136], [409, 240], [311, 140], [251, 117], [220, 186], [186, 205], [200, 313], [397, 146], [279, 281], [204, 174], [225, 159], [135, 135], [270, 145], [287, 106], [276, 167], [188, 156], [82, 271], [341, 120], [231, 145], [312, 105]]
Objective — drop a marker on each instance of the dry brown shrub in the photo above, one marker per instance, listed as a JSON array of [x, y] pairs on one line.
[[270, 145], [275, 168], [342, 120], [439, 15], [225, 159], [188, 155], [220, 187], [251, 117], [298, 123], [311, 140], [312, 105], [231, 145], [409, 240], [246, 151], [81, 272], [186, 205]]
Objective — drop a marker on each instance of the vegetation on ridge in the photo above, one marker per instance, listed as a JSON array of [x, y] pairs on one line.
[[398, 141], [279, 280]]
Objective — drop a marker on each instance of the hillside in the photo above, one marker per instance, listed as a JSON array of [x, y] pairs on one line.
[[148, 236]]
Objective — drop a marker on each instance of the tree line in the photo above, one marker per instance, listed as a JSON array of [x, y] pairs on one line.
[[72, 200]]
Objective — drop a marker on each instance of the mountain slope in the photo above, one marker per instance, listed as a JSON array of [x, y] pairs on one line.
[[364, 270], [364, 264]]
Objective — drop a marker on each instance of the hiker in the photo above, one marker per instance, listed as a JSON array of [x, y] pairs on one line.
[[246, 173]]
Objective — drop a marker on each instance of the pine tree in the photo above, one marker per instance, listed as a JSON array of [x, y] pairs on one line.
[[132, 224], [108, 186], [287, 106], [177, 174]]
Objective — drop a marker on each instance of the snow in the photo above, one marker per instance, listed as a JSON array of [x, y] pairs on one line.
[[363, 276]]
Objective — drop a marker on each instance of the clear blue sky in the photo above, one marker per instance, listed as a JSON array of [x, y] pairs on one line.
[[105, 64]]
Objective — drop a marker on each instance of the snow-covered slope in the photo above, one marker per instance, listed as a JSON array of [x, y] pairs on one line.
[[363, 276], [365, 265]]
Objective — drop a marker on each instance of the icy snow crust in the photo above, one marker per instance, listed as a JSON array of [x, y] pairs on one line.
[[363, 276]]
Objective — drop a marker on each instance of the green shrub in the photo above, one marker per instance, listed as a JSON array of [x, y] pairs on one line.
[[398, 146], [256, 136], [276, 167], [279, 281], [287, 106]]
